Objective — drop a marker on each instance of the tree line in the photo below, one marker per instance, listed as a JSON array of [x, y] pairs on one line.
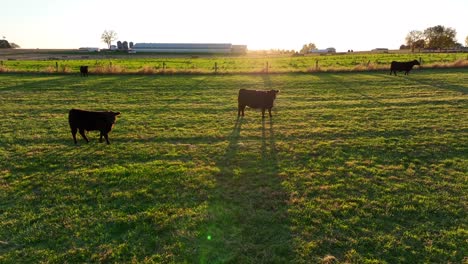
[[433, 38]]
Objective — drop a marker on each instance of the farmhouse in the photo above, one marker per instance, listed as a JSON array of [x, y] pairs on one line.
[[219, 48]]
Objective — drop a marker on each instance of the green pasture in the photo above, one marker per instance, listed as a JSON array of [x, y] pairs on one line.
[[241, 64], [352, 168]]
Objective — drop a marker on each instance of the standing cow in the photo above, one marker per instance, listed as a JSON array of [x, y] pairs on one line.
[[402, 66], [90, 120], [84, 71], [256, 99]]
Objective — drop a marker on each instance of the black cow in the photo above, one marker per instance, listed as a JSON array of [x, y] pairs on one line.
[[402, 66], [256, 99], [84, 71], [90, 120]]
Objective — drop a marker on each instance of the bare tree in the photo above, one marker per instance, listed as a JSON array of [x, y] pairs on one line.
[[415, 39], [108, 36], [306, 48]]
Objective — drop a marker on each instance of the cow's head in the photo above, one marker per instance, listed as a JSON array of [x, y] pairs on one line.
[[273, 93], [111, 116], [416, 62]]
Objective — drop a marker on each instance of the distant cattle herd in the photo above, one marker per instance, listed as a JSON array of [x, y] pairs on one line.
[[103, 121]]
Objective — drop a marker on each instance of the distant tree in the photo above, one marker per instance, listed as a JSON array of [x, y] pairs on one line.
[[125, 45], [130, 44], [119, 45], [440, 37], [108, 36], [458, 46], [466, 41], [415, 39], [14, 45], [403, 47], [306, 48], [4, 44]]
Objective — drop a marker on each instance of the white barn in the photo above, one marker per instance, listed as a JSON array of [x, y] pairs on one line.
[[218, 48]]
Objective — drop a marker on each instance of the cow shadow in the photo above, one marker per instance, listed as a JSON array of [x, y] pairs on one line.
[[247, 212]]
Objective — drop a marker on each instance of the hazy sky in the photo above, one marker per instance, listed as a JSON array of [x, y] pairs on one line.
[[357, 25]]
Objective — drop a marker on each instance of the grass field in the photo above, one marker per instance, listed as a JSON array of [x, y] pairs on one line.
[[155, 64], [353, 167]]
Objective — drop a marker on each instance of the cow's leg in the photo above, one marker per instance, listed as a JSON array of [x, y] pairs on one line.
[[263, 112], [100, 136], [74, 131], [107, 138], [269, 112], [82, 133], [241, 110]]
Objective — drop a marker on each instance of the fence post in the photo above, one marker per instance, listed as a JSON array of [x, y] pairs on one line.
[[1, 63], [316, 65], [420, 61], [266, 69], [164, 65], [56, 66], [216, 67]]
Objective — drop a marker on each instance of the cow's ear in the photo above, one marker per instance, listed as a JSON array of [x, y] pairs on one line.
[[116, 113], [276, 91]]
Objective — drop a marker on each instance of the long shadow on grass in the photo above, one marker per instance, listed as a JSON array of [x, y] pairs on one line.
[[444, 86], [41, 82], [247, 219], [346, 84]]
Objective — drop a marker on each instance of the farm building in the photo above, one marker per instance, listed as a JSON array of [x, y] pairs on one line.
[[220, 48], [89, 49], [327, 50]]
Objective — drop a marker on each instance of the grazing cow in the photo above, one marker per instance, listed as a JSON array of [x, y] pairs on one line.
[[256, 99], [402, 66], [84, 71], [90, 120]]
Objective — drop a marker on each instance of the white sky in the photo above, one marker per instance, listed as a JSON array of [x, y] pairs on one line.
[[357, 25]]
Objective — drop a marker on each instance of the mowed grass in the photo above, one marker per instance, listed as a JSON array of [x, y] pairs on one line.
[[353, 167]]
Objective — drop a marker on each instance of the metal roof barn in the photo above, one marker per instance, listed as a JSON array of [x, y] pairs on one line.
[[225, 48]]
